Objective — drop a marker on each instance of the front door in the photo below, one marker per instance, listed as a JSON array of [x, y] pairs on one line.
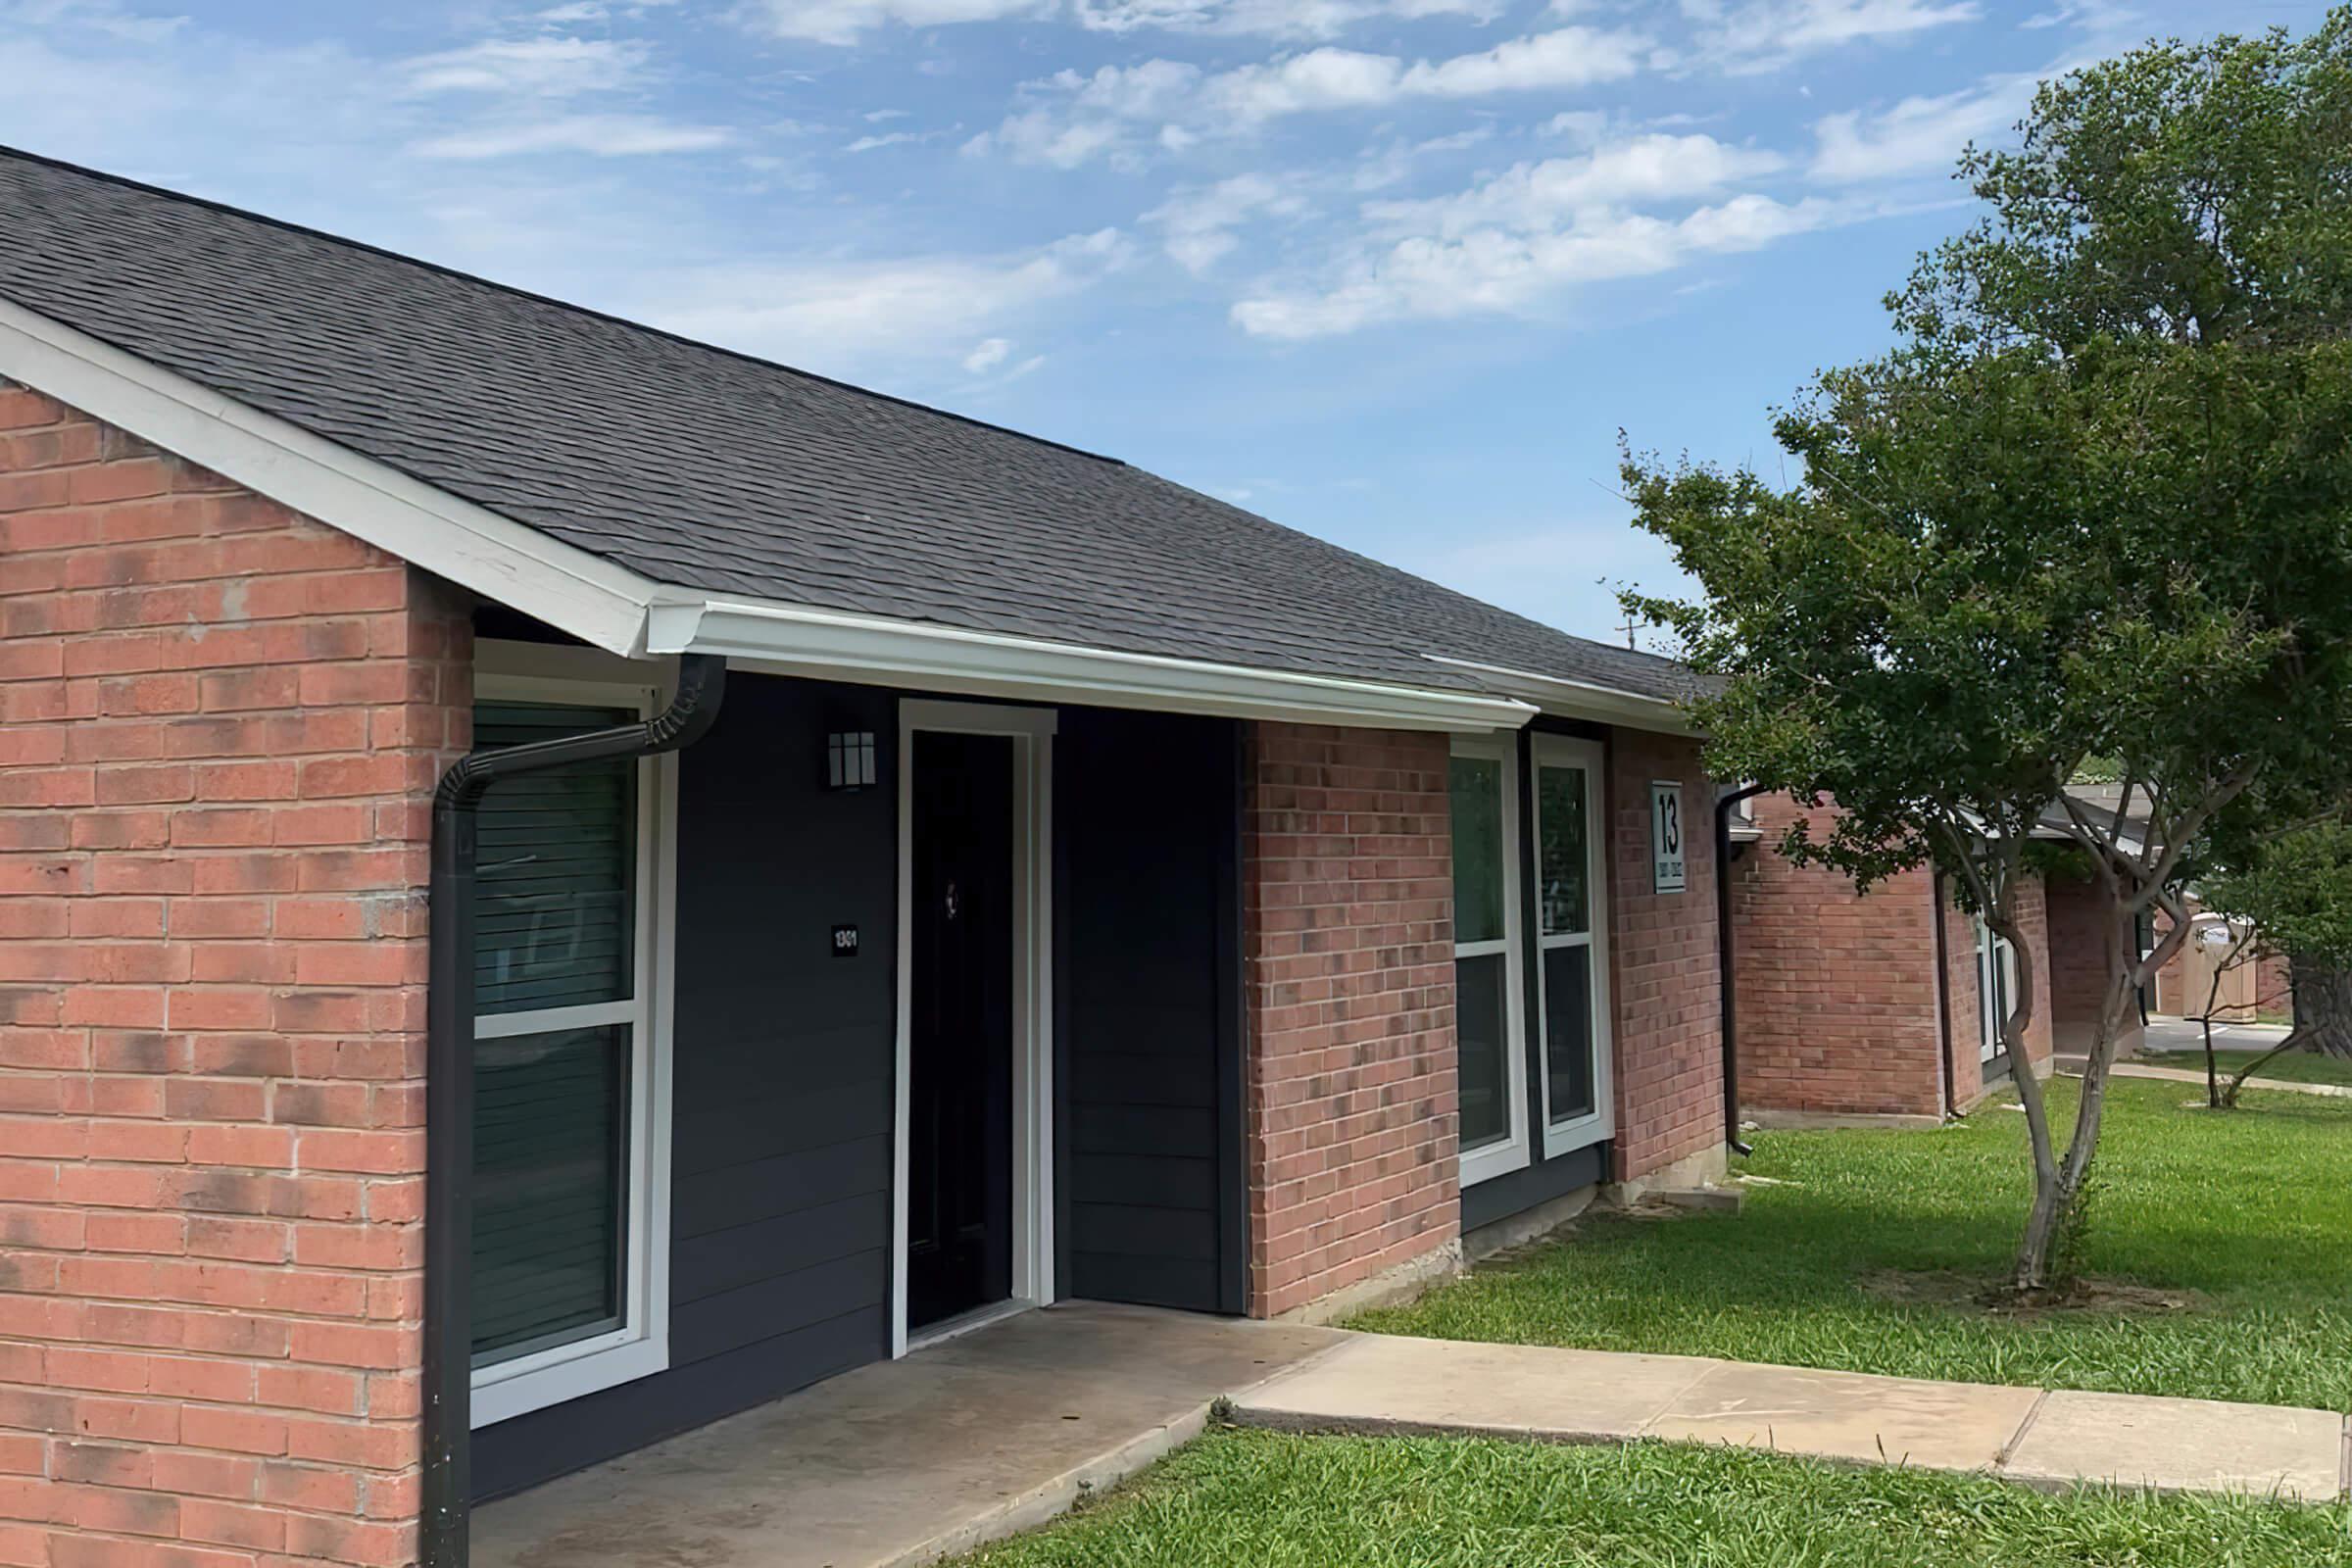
[[959, 1177]]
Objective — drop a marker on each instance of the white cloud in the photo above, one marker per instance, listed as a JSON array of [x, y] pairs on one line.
[[1916, 134], [1536, 196], [895, 139], [1513, 241], [596, 135], [1493, 271], [1757, 35], [987, 355], [851, 315], [545, 67], [841, 21], [1196, 227], [845, 21], [1101, 113]]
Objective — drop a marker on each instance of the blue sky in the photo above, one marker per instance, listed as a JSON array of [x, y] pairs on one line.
[[1395, 271]]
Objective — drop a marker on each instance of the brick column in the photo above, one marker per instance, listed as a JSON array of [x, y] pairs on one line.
[[220, 727], [1665, 974], [1348, 923]]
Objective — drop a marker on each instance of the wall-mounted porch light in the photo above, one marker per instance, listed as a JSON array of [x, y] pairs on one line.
[[850, 760]]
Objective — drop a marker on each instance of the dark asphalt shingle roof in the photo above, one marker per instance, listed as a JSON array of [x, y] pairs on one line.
[[712, 471]]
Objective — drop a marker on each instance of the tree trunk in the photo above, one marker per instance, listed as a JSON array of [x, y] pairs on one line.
[[2322, 1006], [2322, 1021]]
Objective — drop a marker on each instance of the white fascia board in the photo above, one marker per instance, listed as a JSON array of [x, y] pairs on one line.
[[785, 639], [567, 587], [1575, 699]]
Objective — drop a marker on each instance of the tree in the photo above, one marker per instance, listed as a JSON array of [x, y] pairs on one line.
[[2296, 890], [2096, 505]]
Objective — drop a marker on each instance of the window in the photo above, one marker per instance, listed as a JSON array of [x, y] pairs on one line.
[[1571, 942], [1493, 1074], [569, 1077], [1996, 992]]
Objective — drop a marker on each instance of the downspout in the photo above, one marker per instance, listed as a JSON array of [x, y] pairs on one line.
[[1723, 957], [445, 1489], [1943, 1001]]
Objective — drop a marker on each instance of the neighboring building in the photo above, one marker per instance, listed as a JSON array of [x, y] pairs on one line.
[[1002, 876], [1878, 1007]]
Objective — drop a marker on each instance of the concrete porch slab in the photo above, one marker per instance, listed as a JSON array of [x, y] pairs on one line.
[[1849, 1416], [904, 1461], [2182, 1446], [1383, 1382]]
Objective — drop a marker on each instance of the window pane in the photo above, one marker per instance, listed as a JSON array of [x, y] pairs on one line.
[[1479, 1012], [1568, 1030], [554, 899], [1566, 861], [550, 1182], [1477, 849]]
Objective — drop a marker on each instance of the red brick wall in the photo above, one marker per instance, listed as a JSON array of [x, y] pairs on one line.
[[1347, 921], [219, 726], [1665, 971], [1835, 1004], [2077, 938], [1960, 937]]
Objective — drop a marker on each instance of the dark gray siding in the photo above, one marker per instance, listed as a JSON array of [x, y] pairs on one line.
[[1146, 825], [781, 1083]]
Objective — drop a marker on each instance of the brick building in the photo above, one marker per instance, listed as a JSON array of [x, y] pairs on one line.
[[560, 883], [1886, 1006]]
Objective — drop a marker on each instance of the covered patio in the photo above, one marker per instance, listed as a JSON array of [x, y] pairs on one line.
[[902, 1461]]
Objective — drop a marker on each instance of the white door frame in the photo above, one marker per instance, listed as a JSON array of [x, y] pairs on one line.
[[1600, 1122], [1031, 730]]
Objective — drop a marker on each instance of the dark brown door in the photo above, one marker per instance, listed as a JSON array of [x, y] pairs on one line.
[[960, 1064]]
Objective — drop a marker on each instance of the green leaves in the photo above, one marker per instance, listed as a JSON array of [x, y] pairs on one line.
[[2099, 501]]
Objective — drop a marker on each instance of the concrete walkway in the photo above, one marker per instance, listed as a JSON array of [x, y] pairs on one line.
[[900, 1462], [1380, 1383], [2072, 1067]]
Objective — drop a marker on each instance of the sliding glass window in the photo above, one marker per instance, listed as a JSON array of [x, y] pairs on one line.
[[1486, 972]]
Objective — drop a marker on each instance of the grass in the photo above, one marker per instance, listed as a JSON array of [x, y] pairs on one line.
[[2244, 1219], [2294, 1067], [1261, 1500]]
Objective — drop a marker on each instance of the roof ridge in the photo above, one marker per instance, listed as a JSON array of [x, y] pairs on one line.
[[9, 151], [1392, 570]]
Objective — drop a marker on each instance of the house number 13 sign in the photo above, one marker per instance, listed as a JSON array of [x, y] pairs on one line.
[[1666, 864]]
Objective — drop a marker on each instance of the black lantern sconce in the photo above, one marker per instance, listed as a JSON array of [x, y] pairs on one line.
[[850, 760]]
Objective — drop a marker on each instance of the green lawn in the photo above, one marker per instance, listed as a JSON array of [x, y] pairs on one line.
[[2294, 1066], [1260, 1499], [1866, 1257]]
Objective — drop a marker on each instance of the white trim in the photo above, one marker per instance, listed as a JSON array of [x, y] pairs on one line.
[[1578, 699], [782, 639], [640, 1347], [1032, 731], [469, 545], [1577, 1132], [1992, 950], [1509, 1153]]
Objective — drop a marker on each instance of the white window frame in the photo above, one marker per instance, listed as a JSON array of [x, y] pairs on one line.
[[1508, 1154], [1992, 950], [1566, 750], [1032, 731], [640, 1347]]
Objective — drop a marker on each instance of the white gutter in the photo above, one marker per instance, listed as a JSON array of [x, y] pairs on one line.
[[1575, 699], [783, 639]]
